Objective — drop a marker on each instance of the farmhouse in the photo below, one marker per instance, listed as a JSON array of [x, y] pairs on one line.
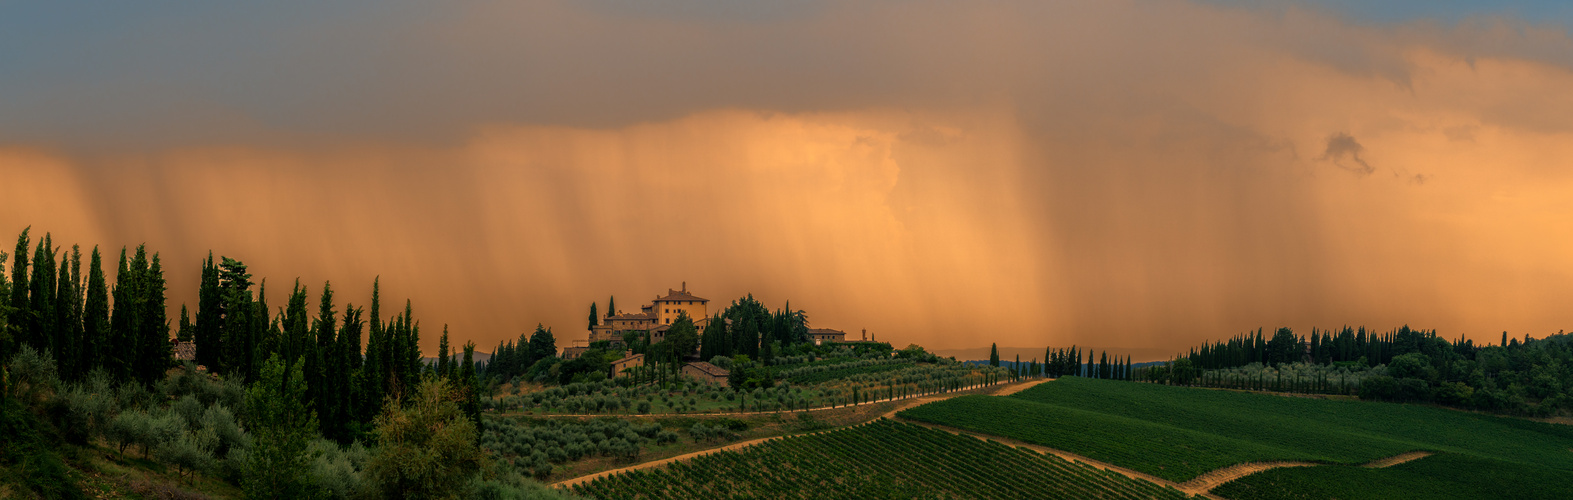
[[826, 335]]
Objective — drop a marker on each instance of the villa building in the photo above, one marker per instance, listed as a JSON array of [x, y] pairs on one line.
[[655, 318]]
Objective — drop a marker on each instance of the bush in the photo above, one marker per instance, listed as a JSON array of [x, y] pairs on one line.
[[33, 378], [190, 452], [227, 433], [336, 470], [427, 450], [128, 428]]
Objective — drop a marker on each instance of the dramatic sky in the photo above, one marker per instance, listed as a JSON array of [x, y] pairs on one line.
[[1145, 173]]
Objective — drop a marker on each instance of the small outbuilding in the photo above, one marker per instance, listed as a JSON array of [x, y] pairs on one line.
[[630, 360], [706, 372]]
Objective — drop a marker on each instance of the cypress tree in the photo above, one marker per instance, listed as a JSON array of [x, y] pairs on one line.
[[442, 354], [994, 354], [210, 318], [1016, 367], [266, 338], [184, 332], [152, 331], [542, 344], [373, 374], [467, 380], [120, 319], [5, 316], [412, 349], [20, 287], [349, 394], [95, 315], [63, 342], [318, 372], [611, 301], [41, 331], [595, 319], [237, 337]]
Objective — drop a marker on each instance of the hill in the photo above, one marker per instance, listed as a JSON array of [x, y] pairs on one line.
[[1179, 433]]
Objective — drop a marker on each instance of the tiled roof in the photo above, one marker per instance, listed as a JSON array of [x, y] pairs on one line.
[[678, 295], [709, 369]]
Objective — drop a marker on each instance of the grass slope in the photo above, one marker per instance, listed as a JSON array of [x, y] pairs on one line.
[[1439, 476], [883, 459], [1178, 433]]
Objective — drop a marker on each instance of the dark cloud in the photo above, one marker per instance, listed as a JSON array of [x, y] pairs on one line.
[[1344, 151]]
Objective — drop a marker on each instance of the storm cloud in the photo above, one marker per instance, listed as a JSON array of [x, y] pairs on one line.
[[952, 174]]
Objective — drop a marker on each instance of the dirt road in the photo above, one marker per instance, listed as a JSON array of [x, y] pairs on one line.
[[908, 403]]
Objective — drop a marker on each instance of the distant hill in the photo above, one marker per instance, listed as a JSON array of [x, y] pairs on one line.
[[1137, 355]]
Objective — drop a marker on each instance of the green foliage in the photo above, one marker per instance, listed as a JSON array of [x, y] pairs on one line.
[[283, 427], [531, 447], [427, 450], [1177, 433], [28, 457], [1443, 476], [880, 460]]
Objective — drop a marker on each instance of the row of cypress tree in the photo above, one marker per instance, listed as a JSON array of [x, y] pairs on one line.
[[1067, 362], [49, 305]]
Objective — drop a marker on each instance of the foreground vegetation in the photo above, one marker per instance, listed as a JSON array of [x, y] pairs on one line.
[[1178, 433], [883, 459]]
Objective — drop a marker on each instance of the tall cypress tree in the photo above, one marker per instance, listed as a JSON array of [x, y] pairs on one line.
[[374, 373], [349, 395], [542, 344], [116, 359], [153, 349], [210, 317], [41, 331], [20, 287], [994, 354], [595, 319], [295, 342], [184, 332], [68, 315], [239, 345], [95, 315], [319, 372], [442, 354], [265, 338]]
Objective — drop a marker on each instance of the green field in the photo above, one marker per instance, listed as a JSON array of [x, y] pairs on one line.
[[1178, 433], [1441, 476], [883, 459]]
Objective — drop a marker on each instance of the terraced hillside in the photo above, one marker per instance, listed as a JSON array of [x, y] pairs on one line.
[[1179, 433], [883, 459]]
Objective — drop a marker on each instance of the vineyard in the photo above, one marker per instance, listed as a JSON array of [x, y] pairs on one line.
[[849, 381], [1435, 477], [883, 459], [1177, 433]]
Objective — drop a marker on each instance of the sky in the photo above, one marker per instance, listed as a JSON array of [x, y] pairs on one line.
[[1117, 173]]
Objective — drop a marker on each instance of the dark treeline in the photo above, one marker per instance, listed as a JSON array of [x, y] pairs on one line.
[[1528, 377], [86, 323], [1349, 345]]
